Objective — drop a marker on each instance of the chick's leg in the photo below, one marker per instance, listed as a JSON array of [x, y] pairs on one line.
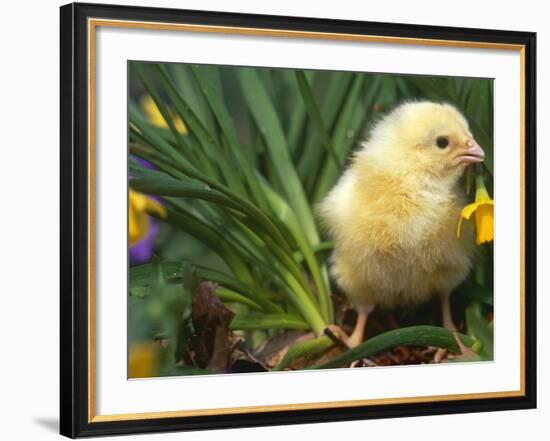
[[447, 316], [446, 312], [449, 324], [358, 333]]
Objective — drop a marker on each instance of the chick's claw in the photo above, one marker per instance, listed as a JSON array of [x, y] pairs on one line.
[[442, 354], [364, 362], [465, 351]]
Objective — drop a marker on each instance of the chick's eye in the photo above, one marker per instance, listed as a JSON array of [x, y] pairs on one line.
[[442, 142]]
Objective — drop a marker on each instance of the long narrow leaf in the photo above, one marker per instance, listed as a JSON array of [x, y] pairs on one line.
[[213, 239], [411, 336], [206, 139], [342, 140], [315, 114], [289, 219], [210, 84], [227, 295], [268, 122], [311, 156], [249, 290], [308, 349], [267, 321]]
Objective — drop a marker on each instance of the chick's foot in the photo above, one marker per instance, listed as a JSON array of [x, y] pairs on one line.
[[356, 337], [442, 354]]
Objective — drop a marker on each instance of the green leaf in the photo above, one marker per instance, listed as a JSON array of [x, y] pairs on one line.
[[411, 336], [342, 139], [289, 219], [255, 293], [176, 188], [268, 321], [140, 275], [309, 349], [172, 187], [297, 125], [207, 139], [227, 295], [187, 87], [334, 97], [315, 114], [166, 115], [480, 329], [266, 117], [211, 238], [474, 291], [150, 136], [210, 83]]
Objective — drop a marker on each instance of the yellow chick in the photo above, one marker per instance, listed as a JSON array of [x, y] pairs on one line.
[[393, 213]]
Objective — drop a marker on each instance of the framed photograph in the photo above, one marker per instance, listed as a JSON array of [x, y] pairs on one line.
[[274, 220]]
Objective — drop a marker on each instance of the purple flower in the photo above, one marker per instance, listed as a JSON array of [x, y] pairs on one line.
[[142, 251], [143, 228]]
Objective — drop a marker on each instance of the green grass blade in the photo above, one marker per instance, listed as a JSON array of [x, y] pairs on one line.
[[309, 349], [210, 84], [342, 140], [267, 321], [195, 126], [298, 122], [160, 105], [187, 87], [227, 295], [268, 122], [315, 114], [249, 290], [211, 238], [480, 329], [140, 275], [311, 157], [289, 219], [173, 187], [411, 336], [151, 136]]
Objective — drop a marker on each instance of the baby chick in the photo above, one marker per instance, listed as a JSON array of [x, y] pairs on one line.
[[393, 214]]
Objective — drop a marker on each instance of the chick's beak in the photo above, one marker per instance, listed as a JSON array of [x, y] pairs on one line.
[[472, 153]]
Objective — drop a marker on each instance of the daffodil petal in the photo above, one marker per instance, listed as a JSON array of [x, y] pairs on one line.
[[484, 211], [180, 125], [138, 224], [468, 210], [154, 116], [139, 206], [142, 361], [485, 224], [153, 207], [152, 112]]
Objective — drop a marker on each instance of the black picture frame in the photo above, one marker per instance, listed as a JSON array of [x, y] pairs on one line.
[[74, 358]]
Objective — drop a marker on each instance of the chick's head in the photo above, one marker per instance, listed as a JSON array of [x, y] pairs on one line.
[[426, 137]]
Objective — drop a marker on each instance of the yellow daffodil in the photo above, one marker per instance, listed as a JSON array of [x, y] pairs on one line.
[[483, 207], [139, 207], [142, 360], [154, 116]]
